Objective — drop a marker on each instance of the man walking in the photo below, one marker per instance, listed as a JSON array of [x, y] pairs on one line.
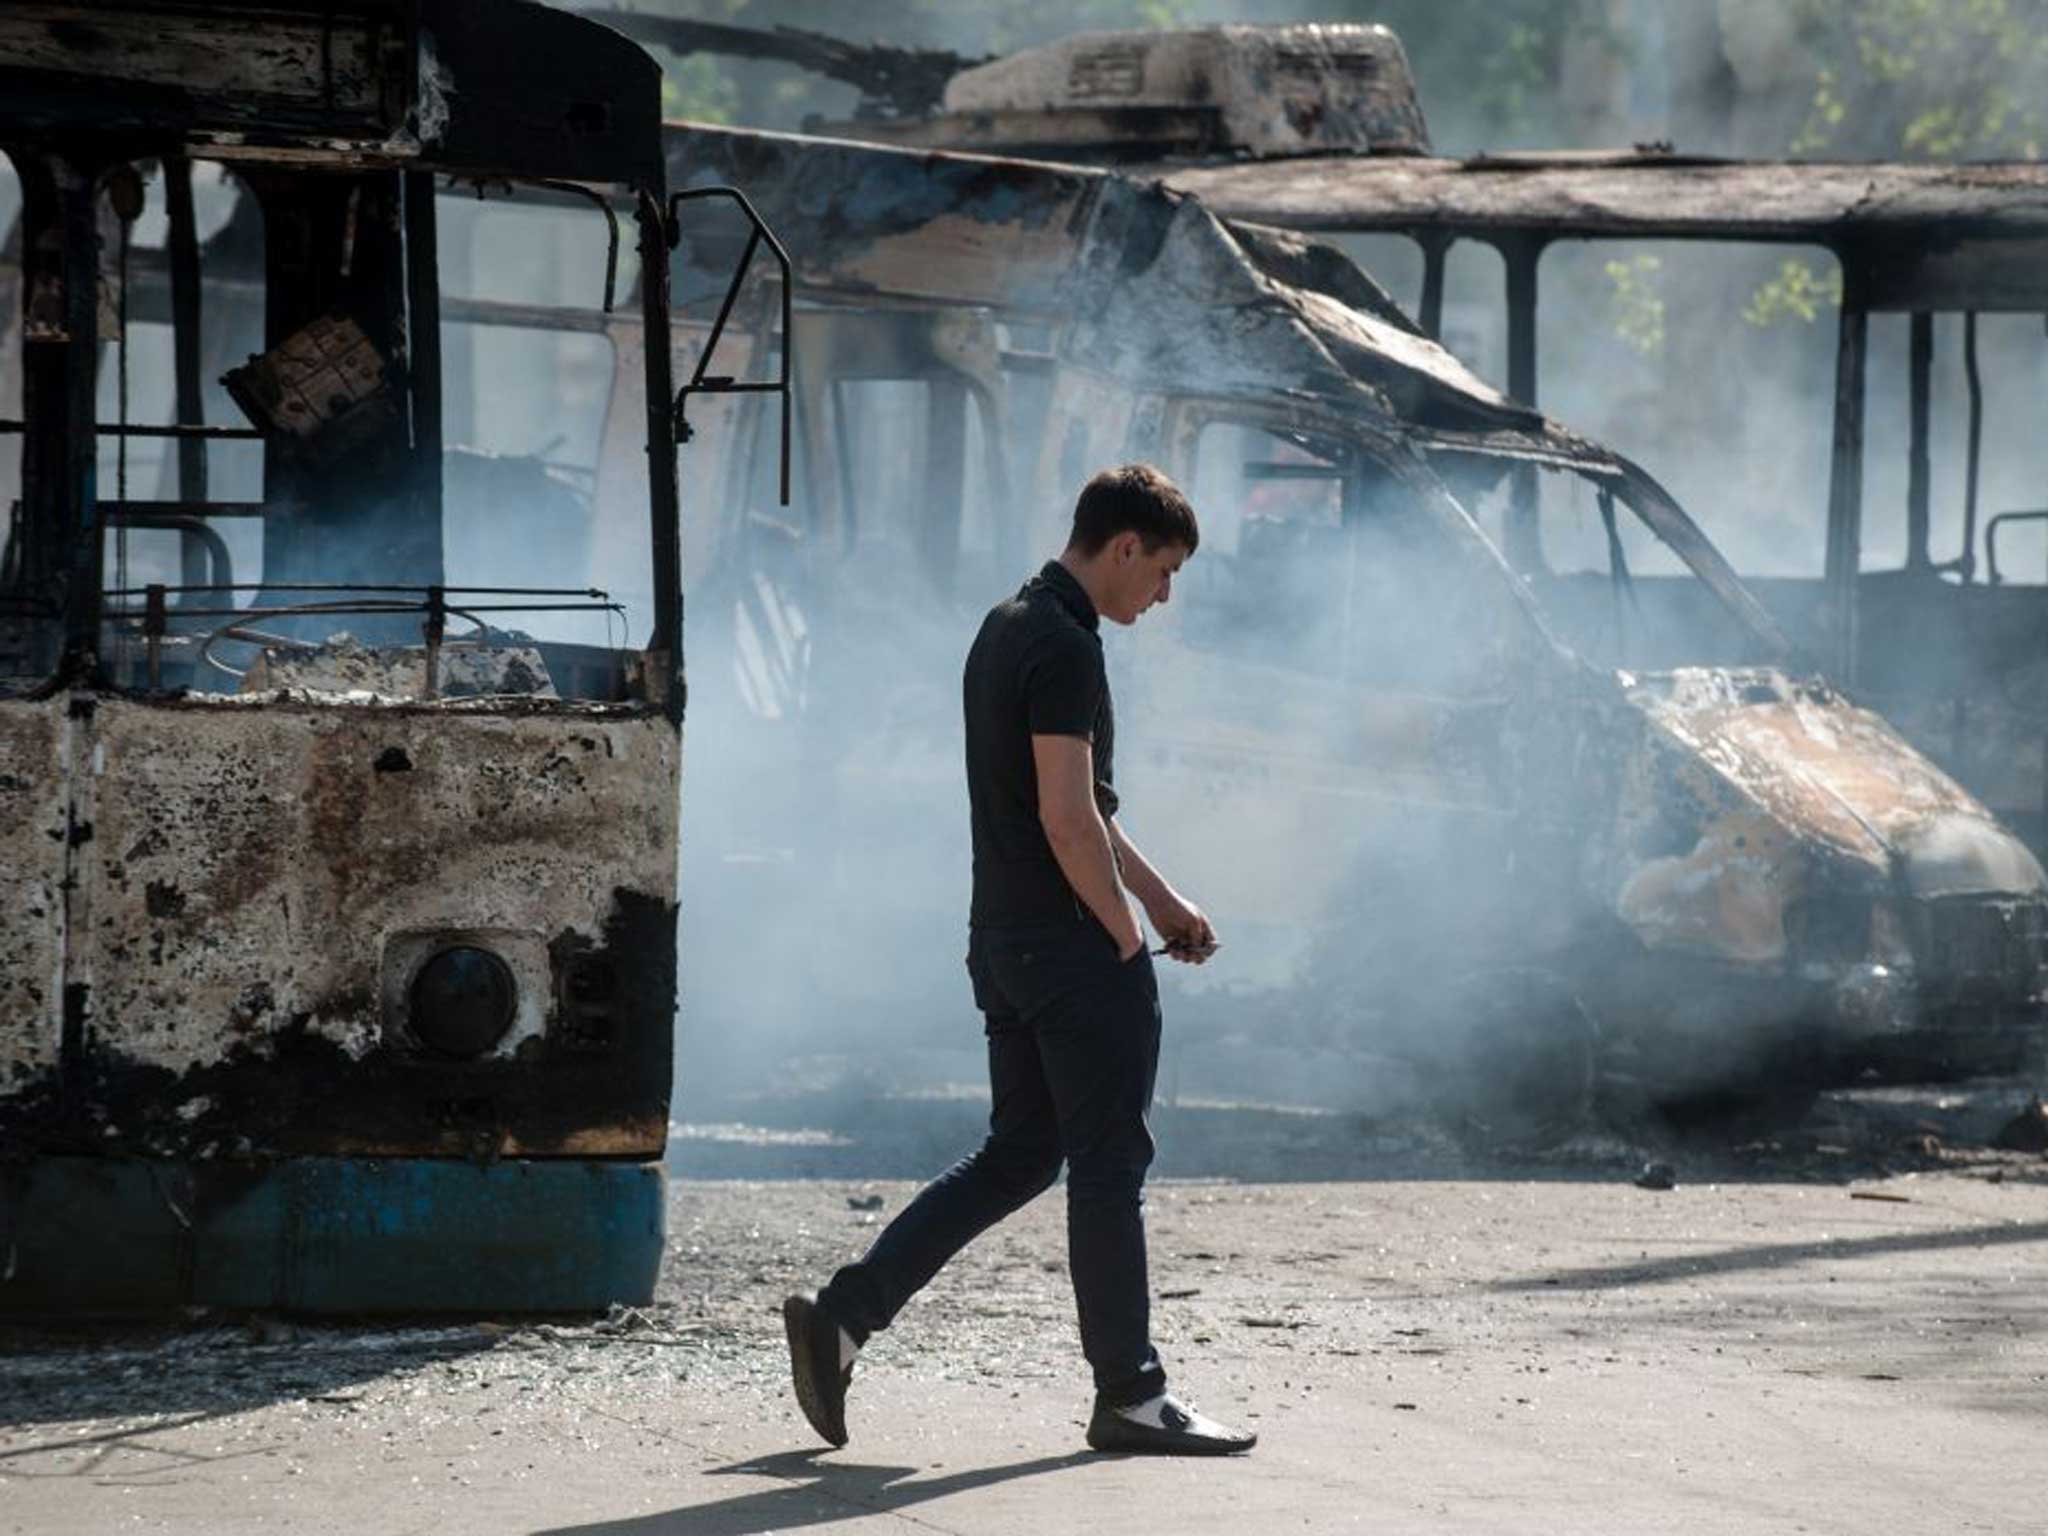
[[1063, 978]]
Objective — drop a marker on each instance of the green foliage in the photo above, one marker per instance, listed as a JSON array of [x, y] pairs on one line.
[[1798, 292], [1636, 302], [697, 88], [1927, 79], [1911, 79]]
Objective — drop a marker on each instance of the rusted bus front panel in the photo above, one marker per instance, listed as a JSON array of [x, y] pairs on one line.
[[32, 851], [254, 883]]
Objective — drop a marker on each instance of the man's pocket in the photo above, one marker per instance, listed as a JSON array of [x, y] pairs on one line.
[[1037, 968]]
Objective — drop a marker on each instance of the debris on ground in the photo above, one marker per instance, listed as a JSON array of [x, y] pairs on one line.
[[1657, 1176], [2027, 1131]]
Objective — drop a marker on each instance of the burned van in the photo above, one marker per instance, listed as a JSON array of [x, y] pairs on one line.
[[1424, 788], [338, 972]]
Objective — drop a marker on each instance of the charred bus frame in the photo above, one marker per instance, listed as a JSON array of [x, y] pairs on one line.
[[353, 992]]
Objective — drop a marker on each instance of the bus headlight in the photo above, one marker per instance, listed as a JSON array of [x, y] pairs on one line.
[[462, 1001]]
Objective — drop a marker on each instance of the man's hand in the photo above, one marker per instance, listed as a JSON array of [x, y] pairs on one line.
[[1189, 935]]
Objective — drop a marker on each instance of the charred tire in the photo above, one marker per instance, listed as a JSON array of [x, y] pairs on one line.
[[1510, 1061]]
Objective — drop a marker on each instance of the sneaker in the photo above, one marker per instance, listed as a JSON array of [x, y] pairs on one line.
[[814, 1367], [1164, 1426]]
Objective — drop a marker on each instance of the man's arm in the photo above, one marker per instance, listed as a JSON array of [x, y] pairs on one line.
[[1187, 931], [1145, 882], [1079, 836]]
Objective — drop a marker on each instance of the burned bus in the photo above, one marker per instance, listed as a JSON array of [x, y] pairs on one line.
[[338, 972], [1389, 760]]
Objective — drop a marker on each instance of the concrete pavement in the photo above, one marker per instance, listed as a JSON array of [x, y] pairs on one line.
[[1418, 1356]]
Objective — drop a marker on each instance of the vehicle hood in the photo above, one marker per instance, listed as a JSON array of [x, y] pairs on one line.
[[1755, 792], [1837, 775]]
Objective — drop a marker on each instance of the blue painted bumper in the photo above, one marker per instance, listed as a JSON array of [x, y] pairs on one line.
[[328, 1235]]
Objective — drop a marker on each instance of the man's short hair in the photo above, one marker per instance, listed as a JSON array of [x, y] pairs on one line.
[[1133, 498]]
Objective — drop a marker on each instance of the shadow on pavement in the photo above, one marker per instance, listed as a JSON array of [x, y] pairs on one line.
[[134, 1452], [1767, 1256], [66, 1373], [814, 1491]]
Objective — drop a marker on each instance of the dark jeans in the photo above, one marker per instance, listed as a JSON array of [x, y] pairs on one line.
[[1073, 1048]]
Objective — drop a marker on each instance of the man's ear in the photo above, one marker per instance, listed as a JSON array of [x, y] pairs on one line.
[[1127, 546]]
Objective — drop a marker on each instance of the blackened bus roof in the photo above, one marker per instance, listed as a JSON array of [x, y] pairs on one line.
[[482, 87]]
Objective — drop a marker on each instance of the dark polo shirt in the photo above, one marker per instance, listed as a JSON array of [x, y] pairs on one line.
[[1034, 670]]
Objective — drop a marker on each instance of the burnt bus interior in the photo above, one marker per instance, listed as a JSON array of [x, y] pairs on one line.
[[246, 395]]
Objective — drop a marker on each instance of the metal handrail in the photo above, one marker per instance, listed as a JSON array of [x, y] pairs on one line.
[[240, 631], [371, 586], [590, 195], [432, 601], [702, 382], [218, 558]]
